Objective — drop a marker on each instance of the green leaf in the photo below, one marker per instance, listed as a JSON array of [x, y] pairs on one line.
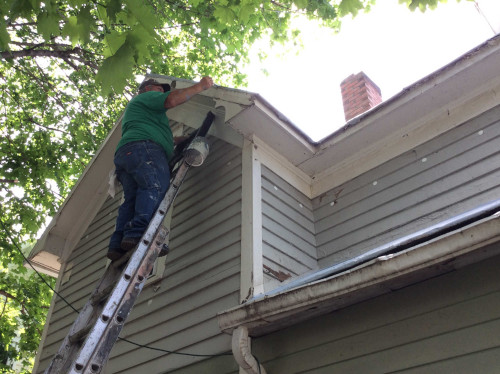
[[113, 42], [85, 23], [77, 3], [422, 5], [144, 15], [48, 24], [21, 8], [224, 15], [113, 7], [350, 7], [71, 29], [246, 11], [139, 40], [103, 15], [301, 4], [114, 69], [4, 36]]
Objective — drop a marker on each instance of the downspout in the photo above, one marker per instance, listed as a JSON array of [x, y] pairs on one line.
[[242, 352]]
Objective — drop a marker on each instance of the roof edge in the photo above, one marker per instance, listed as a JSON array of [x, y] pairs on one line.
[[465, 59], [379, 276]]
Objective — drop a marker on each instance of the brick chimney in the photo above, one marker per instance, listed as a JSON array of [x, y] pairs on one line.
[[359, 94]]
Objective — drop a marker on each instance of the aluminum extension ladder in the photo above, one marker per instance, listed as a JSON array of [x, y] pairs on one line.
[[86, 348]]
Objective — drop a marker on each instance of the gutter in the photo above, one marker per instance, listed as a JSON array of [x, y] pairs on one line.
[[453, 244]]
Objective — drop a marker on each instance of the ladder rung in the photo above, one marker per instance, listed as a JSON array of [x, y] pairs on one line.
[[123, 260], [102, 295], [80, 334]]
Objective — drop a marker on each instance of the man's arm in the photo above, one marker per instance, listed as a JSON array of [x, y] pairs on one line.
[[182, 95]]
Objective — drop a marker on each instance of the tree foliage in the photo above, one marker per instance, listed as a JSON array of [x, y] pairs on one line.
[[68, 67], [24, 304]]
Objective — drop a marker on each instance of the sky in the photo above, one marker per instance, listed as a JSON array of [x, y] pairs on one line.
[[390, 44]]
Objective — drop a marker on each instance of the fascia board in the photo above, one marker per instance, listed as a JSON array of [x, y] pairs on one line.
[[382, 275], [232, 95], [260, 121], [461, 90], [81, 205]]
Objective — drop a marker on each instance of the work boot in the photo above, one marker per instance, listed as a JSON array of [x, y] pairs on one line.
[[115, 253], [129, 243]]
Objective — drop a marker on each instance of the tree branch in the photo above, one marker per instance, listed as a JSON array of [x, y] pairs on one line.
[[9, 181], [10, 296], [32, 120], [19, 24], [4, 306], [40, 53], [63, 54]]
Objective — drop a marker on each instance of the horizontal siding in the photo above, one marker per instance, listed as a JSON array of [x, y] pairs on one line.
[[225, 364], [444, 177], [201, 277], [83, 269], [449, 324], [288, 241]]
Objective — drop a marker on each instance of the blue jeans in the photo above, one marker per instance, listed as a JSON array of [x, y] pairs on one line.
[[142, 169]]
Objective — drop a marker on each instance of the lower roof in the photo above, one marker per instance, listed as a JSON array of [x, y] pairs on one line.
[[451, 251]]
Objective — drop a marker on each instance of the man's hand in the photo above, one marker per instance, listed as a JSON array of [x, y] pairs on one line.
[[182, 95], [206, 83]]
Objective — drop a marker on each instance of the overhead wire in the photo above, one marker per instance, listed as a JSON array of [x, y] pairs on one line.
[[7, 232]]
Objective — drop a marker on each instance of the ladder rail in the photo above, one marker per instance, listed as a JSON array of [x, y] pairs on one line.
[[68, 348], [115, 311]]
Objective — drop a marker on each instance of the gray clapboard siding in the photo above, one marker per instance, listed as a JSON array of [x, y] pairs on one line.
[[88, 268], [200, 279], [221, 365], [288, 242], [156, 362], [449, 322], [202, 337], [201, 275], [84, 267], [446, 176]]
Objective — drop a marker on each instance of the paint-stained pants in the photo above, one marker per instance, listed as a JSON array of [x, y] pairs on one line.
[[142, 169]]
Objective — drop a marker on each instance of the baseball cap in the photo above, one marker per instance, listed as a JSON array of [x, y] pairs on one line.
[[153, 82]]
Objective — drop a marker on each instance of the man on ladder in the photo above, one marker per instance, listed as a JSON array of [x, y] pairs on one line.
[[141, 159], [143, 168]]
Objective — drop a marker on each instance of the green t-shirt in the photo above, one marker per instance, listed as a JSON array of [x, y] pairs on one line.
[[145, 119]]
